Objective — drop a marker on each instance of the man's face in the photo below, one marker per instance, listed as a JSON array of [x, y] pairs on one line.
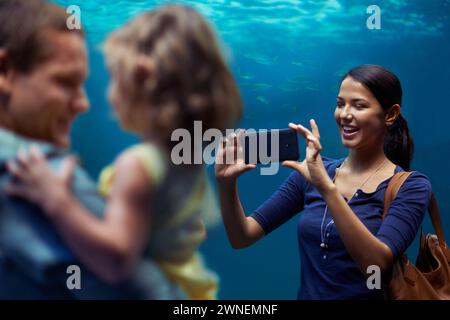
[[44, 102]]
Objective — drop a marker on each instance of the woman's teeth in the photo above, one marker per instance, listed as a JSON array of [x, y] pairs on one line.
[[349, 129], [349, 132]]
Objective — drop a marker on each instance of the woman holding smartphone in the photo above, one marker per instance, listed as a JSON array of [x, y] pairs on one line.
[[340, 229]]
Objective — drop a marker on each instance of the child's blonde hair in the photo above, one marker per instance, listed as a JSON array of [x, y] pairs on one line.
[[191, 80]]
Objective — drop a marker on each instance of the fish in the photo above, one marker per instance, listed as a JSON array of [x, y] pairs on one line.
[[256, 86], [262, 99], [312, 88], [310, 64], [261, 59], [288, 87], [298, 63], [331, 7], [244, 75], [301, 79]]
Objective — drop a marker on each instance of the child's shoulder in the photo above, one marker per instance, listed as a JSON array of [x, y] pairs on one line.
[[148, 156], [144, 159]]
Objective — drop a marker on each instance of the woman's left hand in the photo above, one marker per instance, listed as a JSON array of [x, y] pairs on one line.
[[311, 167], [36, 182]]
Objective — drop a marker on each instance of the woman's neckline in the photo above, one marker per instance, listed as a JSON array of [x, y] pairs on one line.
[[360, 191]]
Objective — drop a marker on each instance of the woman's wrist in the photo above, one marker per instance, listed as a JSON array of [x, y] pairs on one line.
[[327, 189], [226, 183]]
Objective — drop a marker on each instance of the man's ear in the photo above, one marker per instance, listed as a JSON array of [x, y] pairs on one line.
[[5, 84], [392, 114]]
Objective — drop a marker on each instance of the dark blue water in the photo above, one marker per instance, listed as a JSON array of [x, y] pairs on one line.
[[288, 57]]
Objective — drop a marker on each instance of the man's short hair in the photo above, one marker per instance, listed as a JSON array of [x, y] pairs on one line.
[[22, 30]]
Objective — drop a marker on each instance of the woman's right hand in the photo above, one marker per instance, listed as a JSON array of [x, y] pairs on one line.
[[230, 162], [242, 231]]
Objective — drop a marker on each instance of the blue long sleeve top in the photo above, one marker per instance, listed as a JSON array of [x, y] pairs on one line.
[[329, 272]]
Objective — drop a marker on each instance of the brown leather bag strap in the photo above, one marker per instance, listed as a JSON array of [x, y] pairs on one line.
[[391, 192], [435, 216], [392, 189]]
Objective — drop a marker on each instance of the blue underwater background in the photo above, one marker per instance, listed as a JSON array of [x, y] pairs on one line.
[[288, 57]]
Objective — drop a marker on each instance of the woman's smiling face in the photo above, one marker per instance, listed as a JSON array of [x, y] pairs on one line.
[[359, 116]]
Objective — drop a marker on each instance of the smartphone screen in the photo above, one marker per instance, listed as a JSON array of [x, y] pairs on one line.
[[266, 146]]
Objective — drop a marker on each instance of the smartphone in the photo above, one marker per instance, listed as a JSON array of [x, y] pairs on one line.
[[259, 146]]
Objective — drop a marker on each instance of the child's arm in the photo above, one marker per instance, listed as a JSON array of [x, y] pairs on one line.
[[109, 247]]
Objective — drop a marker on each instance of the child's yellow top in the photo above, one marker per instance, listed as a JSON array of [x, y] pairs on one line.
[[182, 204]]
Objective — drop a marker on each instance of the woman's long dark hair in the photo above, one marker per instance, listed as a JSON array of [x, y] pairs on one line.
[[386, 87]]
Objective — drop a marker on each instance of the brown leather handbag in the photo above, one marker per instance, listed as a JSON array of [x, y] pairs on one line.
[[429, 278]]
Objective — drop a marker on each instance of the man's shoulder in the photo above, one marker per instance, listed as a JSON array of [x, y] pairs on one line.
[[11, 142]]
